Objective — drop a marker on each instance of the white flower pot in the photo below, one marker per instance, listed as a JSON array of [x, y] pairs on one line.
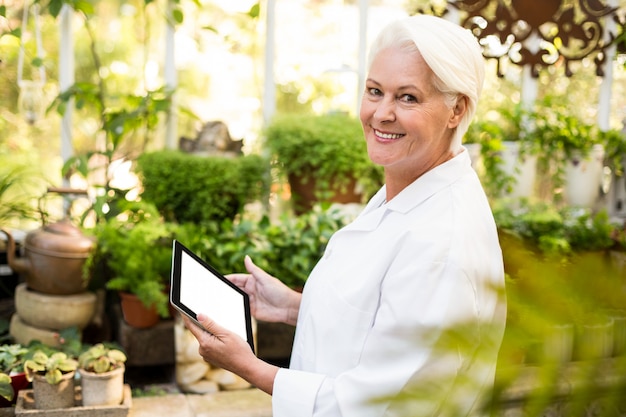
[[583, 179], [102, 389], [594, 341], [558, 344]]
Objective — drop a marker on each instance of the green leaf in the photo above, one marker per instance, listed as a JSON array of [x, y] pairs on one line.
[[178, 16], [3, 10], [255, 11], [37, 62], [54, 376], [54, 7]]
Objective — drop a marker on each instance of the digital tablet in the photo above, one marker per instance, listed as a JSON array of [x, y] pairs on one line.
[[196, 287]]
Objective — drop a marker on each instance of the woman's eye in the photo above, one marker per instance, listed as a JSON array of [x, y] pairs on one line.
[[408, 98], [374, 91]]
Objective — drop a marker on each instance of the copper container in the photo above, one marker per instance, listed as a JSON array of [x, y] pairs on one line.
[[53, 260]]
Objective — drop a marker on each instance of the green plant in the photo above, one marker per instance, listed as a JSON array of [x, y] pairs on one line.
[[198, 189], [614, 142], [328, 149], [51, 366], [562, 137], [557, 231], [287, 248], [6, 388], [133, 254], [489, 135], [126, 121], [16, 198], [100, 358], [12, 358]]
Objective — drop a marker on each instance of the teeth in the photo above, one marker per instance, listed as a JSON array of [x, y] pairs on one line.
[[388, 135]]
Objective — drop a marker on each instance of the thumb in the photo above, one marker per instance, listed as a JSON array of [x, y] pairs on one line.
[[210, 325], [251, 267]]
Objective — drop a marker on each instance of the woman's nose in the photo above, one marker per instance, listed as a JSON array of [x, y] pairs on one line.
[[385, 110]]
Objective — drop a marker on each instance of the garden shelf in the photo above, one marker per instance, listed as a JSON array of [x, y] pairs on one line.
[[25, 407]]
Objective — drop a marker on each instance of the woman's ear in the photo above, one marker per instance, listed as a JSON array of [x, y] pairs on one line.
[[458, 111]]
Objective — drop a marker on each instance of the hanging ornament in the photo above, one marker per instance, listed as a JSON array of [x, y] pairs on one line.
[[30, 102]]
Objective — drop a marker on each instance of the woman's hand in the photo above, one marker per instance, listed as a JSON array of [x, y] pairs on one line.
[[227, 350], [270, 299]]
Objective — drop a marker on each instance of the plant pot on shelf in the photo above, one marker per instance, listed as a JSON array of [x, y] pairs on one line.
[[594, 340], [135, 313], [521, 169], [49, 396], [303, 193], [558, 343], [583, 178], [102, 388]]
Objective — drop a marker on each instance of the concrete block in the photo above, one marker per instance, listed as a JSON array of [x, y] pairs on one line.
[[147, 347]]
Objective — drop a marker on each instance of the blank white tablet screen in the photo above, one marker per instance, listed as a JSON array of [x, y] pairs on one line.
[[205, 293]]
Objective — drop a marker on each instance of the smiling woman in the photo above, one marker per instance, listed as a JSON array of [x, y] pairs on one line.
[[411, 292], [407, 122]]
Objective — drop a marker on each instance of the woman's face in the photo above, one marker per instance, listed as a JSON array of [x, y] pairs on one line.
[[407, 124]]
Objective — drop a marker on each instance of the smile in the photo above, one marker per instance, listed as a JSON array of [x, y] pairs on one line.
[[387, 135]]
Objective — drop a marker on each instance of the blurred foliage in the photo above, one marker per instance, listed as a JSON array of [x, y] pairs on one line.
[[16, 196], [558, 232], [200, 189], [288, 247]]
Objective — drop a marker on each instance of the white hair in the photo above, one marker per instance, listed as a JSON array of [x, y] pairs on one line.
[[451, 52]]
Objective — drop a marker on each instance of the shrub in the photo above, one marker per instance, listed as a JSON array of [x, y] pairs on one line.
[[329, 149], [198, 189]]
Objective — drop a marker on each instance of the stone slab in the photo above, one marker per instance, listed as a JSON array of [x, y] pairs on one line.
[[171, 405], [147, 347], [25, 407], [7, 412], [241, 403]]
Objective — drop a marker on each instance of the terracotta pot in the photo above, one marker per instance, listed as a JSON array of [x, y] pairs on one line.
[[48, 396], [303, 193], [102, 389], [135, 313]]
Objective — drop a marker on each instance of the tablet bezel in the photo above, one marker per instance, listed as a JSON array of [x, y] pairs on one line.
[[175, 287]]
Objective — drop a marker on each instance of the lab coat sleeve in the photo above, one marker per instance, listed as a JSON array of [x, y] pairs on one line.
[[401, 354]]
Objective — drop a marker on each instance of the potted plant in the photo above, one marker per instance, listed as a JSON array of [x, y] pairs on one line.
[[571, 156], [133, 258], [12, 358], [52, 374], [324, 158], [101, 369]]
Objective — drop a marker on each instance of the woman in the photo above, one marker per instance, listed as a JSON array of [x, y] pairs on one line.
[[404, 314]]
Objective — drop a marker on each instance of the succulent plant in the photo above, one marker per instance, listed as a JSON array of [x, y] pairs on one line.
[[100, 359], [52, 367]]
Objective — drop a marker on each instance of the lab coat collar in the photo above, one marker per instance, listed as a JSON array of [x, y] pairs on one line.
[[414, 194]]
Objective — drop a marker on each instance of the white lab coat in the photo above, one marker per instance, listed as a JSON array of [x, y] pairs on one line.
[[374, 307]]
